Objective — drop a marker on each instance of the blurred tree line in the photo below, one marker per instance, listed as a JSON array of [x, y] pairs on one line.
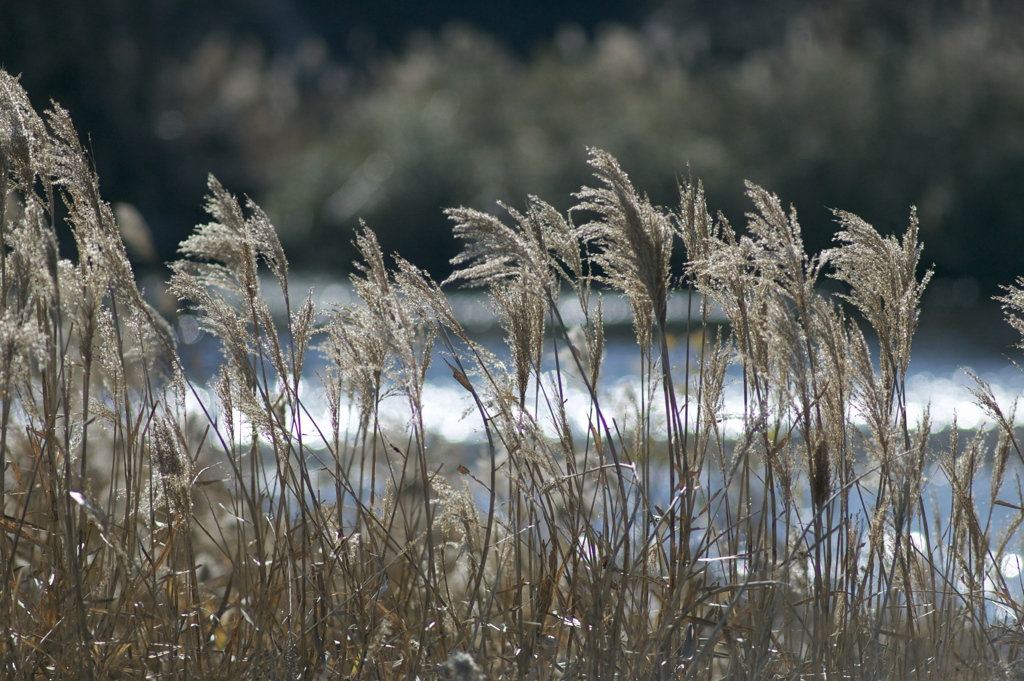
[[325, 117]]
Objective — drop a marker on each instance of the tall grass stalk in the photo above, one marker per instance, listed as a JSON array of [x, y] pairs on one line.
[[153, 527]]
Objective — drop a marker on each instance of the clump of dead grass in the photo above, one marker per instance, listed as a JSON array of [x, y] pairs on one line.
[[152, 528]]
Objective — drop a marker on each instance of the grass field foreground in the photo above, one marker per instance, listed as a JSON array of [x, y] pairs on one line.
[[149, 533]]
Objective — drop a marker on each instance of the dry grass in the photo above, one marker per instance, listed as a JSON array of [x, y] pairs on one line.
[[151, 531]]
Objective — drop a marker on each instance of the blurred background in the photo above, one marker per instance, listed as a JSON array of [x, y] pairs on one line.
[[328, 112]]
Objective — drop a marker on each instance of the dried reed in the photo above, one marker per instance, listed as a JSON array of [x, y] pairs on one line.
[[152, 528]]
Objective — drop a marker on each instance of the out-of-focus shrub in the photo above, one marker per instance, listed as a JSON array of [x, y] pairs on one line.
[[867, 104], [827, 116], [458, 121]]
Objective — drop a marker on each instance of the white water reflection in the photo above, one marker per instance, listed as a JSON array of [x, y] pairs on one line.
[[449, 412], [948, 345]]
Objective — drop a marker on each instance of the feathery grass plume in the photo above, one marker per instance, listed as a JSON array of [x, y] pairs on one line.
[[422, 292], [595, 341], [301, 327], [103, 267], [495, 252], [471, 358], [1005, 419], [726, 274], [172, 466], [427, 295], [392, 318], [520, 265], [693, 222], [359, 360], [884, 286], [23, 139], [220, 279], [633, 240], [702, 238], [102, 258], [520, 312], [882, 275], [1013, 306], [359, 342], [711, 375], [260, 379], [102, 276], [101, 281], [765, 283], [587, 344], [694, 225], [30, 266], [27, 286]]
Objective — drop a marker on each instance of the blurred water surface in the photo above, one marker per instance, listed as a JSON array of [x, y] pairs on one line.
[[953, 343]]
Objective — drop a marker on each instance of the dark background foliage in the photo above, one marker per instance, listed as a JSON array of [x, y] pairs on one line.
[[330, 112]]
